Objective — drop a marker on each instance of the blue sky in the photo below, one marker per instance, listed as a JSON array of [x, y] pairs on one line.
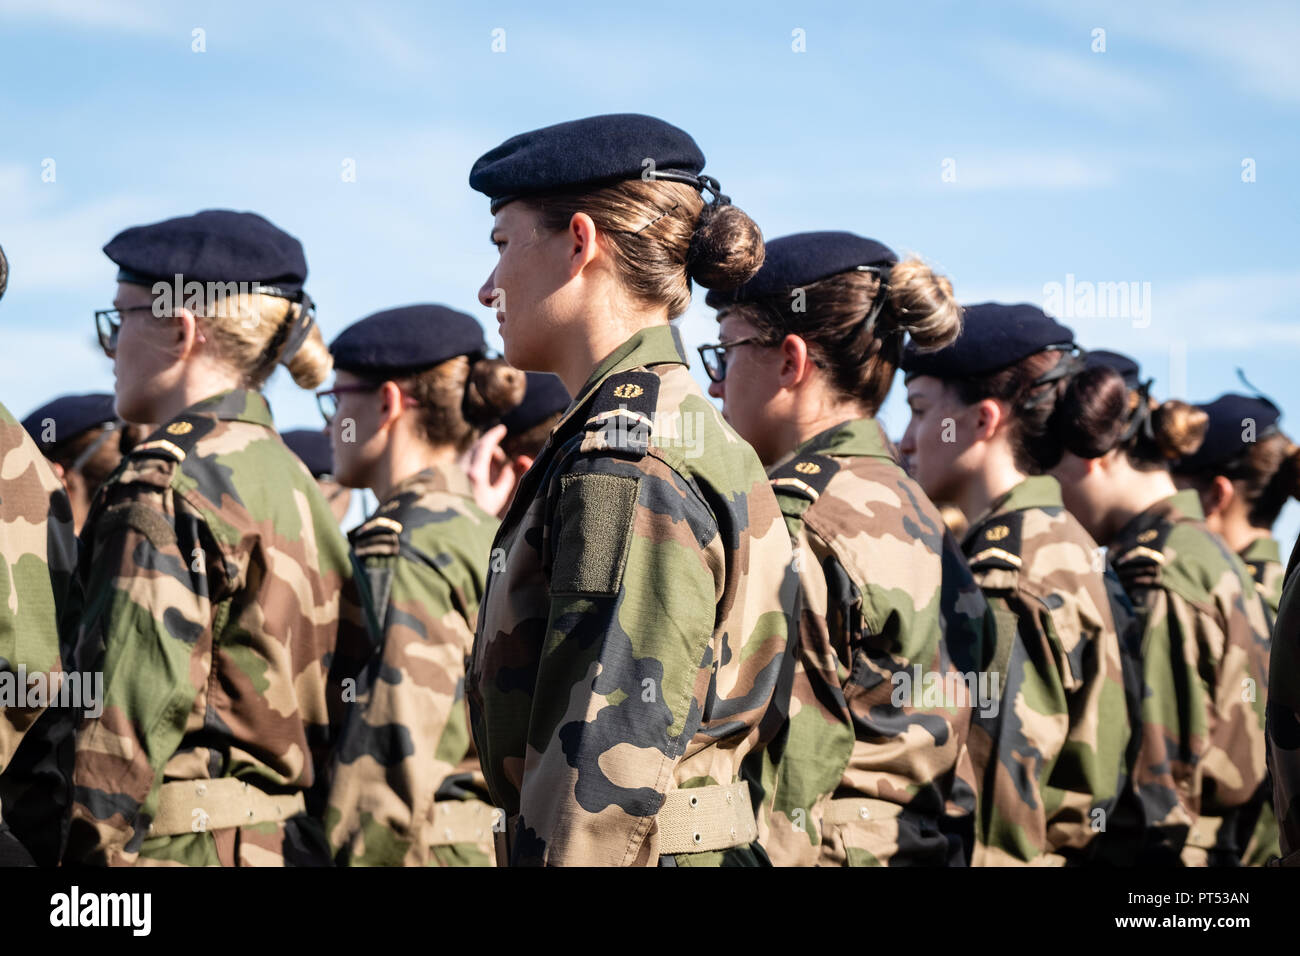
[[1117, 166]]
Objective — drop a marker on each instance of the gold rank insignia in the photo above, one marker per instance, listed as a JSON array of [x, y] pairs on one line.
[[997, 532], [1147, 535], [628, 390], [807, 467], [180, 428]]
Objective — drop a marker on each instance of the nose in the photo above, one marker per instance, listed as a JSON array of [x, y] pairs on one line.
[[906, 446], [717, 389], [486, 292]]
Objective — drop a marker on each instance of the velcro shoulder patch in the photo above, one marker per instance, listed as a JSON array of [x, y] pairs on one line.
[[622, 413], [596, 516], [139, 517], [997, 544], [804, 476]]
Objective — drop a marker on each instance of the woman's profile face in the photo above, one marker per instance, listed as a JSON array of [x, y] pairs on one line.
[[146, 362], [532, 266], [938, 438], [750, 389], [355, 436]]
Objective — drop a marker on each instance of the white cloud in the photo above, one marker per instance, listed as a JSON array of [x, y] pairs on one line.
[[126, 16], [1253, 44], [1080, 78]]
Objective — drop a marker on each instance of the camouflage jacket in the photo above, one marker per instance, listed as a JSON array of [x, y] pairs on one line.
[[1051, 772], [886, 604], [212, 571], [422, 561], [1205, 648], [632, 639], [1264, 559], [38, 554]]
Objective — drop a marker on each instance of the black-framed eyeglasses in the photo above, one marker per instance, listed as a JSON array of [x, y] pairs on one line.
[[714, 356], [108, 323], [328, 403]]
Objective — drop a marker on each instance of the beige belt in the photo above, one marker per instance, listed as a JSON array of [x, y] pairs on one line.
[[1204, 833], [857, 809], [695, 820], [460, 821], [192, 806]]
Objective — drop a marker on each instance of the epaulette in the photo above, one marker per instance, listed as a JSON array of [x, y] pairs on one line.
[[1148, 547], [381, 535], [1139, 566], [997, 544], [805, 476], [622, 411], [176, 439]]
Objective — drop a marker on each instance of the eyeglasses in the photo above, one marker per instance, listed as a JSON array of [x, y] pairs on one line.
[[714, 356], [328, 403], [108, 323]]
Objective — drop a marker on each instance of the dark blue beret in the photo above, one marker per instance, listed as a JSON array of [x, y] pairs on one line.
[[595, 150], [313, 447], [406, 339], [72, 415], [1223, 437], [801, 259], [215, 245], [992, 337], [545, 395], [1127, 368]]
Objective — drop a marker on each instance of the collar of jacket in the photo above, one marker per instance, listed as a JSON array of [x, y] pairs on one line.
[[654, 345], [1036, 491], [855, 438], [1183, 506], [446, 476], [237, 405], [1262, 550]]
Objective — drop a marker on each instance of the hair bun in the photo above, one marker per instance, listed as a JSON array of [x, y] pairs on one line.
[[493, 388], [726, 248]]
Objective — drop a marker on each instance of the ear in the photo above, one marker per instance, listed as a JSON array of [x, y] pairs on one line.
[[988, 416], [582, 242], [796, 365], [520, 464], [188, 334], [1221, 494], [391, 405], [59, 471]]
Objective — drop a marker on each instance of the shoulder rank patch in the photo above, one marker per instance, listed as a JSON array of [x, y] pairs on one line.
[[176, 439], [622, 411], [377, 536], [997, 544], [805, 476]]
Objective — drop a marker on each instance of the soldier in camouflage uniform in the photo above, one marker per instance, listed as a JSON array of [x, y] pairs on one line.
[[630, 643], [1205, 641], [985, 417], [38, 551], [413, 390], [84, 441], [865, 770], [1244, 472], [213, 568]]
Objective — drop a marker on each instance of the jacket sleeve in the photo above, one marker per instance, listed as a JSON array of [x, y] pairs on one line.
[[150, 580], [626, 662], [407, 729]]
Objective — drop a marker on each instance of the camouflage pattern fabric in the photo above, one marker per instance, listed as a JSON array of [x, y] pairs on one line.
[[1205, 650], [1051, 771], [38, 555], [634, 635], [423, 560], [885, 600], [1264, 559], [213, 573]]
